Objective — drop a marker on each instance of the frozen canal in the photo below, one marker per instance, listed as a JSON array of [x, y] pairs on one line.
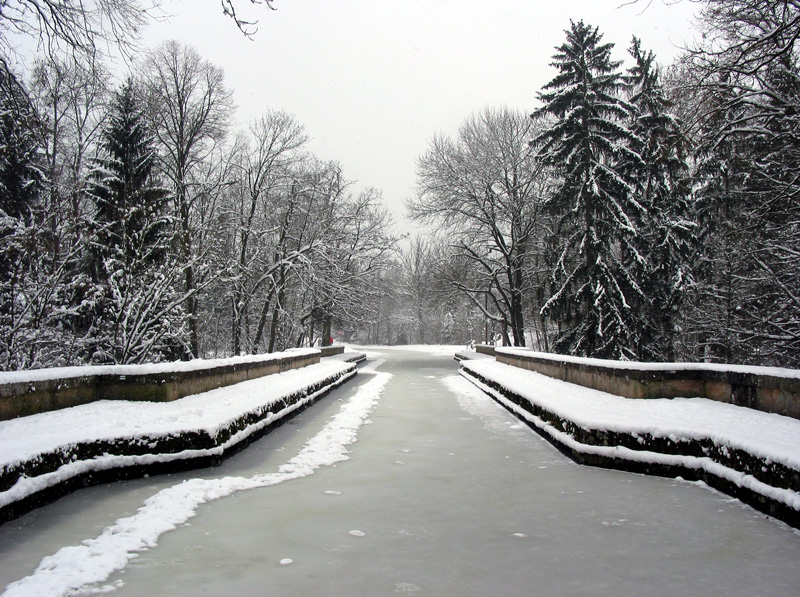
[[444, 493]]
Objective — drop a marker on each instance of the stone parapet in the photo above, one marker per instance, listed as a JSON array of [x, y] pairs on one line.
[[25, 393], [763, 388]]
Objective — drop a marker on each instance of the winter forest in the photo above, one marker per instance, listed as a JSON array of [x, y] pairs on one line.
[[636, 211]]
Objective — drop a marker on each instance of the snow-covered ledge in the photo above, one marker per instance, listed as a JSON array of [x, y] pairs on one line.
[[48, 455], [751, 455], [769, 389], [25, 393]]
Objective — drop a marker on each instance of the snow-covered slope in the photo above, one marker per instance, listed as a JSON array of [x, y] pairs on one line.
[[45, 455], [752, 455]]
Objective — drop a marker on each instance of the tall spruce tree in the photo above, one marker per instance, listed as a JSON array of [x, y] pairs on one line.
[[21, 184], [745, 83], [130, 300], [663, 188], [595, 288], [20, 147], [130, 206]]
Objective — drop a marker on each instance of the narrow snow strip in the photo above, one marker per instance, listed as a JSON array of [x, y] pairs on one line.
[[73, 567], [765, 435], [785, 496]]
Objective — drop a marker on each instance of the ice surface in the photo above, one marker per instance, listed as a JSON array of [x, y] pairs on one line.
[[96, 559], [483, 506]]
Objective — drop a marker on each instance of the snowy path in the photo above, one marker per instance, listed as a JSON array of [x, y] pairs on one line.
[[444, 493]]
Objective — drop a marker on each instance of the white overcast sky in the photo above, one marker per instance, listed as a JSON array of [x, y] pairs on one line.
[[373, 80]]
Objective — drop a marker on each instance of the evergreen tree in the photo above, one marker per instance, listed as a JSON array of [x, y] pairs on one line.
[[129, 301], [663, 189], [714, 315], [130, 224], [20, 188], [20, 143], [594, 283], [746, 85]]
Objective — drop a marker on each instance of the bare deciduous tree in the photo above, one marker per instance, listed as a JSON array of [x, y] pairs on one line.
[[191, 110], [245, 25], [77, 28], [485, 188]]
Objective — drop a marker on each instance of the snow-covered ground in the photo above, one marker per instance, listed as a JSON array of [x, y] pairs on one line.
[[764, 434], [422, 485], [222, 417], [756, 451]]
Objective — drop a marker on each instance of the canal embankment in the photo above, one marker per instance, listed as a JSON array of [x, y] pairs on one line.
[[751, 455], [46, 455]]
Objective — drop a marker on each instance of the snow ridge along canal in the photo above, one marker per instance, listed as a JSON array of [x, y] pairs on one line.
[[96, 559], [752, 455], [49, 454]]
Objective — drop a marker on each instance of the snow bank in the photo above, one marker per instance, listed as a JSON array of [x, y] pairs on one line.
[[751, 454], [74, 567], [44, 451]]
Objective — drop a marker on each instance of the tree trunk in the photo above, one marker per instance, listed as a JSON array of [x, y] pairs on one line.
[[327, 340]]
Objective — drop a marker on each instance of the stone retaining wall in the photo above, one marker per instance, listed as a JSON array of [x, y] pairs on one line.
[[28, 393], [750, 387], [755, 480], [76, 465], [329, 351]]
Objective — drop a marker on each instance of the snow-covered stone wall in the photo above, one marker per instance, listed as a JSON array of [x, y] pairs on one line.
[[48, 455], [768, 389], [25, 393], [751, 455]]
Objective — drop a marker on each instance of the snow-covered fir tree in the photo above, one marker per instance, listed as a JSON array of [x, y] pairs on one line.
[[589, 144], [129, 305], [663, 188], [20, 142], [20, 184], [745, 82]]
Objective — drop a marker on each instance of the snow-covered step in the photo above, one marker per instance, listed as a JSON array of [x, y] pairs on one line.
[[47, 455], [751, 455]]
